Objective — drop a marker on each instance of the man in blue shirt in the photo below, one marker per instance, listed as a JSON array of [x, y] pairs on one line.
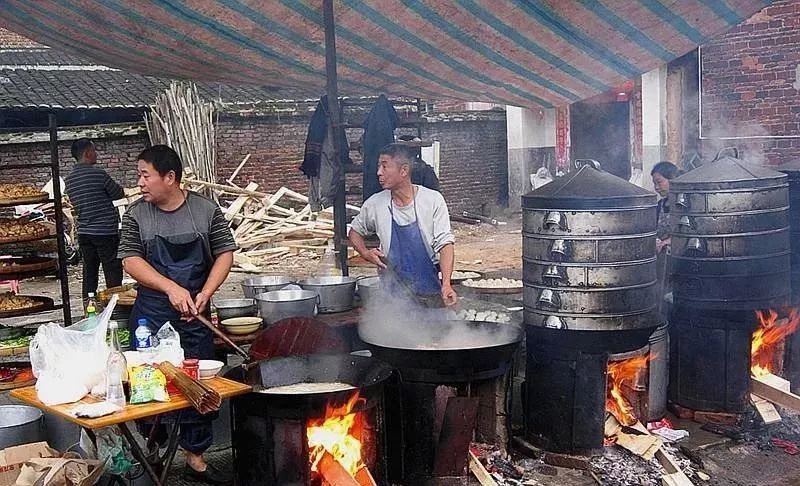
[[92, 193]]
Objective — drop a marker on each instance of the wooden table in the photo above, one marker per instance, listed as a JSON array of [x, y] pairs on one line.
[[226, 389]]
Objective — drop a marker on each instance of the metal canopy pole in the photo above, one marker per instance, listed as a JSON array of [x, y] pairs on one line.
[[63, 277], [339, 201]]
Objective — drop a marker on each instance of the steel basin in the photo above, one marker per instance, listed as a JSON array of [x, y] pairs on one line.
[[368, 289], [228, 308], [280, 304], [20, 424], [258, 285], [336, 294]]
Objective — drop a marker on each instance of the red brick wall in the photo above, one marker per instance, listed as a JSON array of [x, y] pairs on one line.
[[473, 156], [473, 169], [117, 155], [751, 86]]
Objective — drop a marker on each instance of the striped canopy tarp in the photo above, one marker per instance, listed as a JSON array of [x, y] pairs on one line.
[[525, 53]]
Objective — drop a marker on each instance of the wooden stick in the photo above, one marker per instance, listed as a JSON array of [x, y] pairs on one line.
[[238, 168], [333, 473], [763, 388], [480, 472], [675, 476]]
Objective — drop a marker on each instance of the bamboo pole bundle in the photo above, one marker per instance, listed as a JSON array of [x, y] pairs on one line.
[[179, 118], [202, 397]]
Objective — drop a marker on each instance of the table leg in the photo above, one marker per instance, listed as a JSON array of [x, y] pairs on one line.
[[172, 447], [139, 454]]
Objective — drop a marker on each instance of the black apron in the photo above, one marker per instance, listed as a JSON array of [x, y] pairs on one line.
[[186, 260]]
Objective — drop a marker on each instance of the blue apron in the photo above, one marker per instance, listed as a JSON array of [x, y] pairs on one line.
[[186, 260], [410, 263]]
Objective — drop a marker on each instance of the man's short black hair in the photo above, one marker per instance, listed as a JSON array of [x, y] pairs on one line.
[[79, 148], [163, 159], [400, 152], [668, 170]]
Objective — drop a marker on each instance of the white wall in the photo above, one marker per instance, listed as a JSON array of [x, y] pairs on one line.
[[527, 131], [654, 121]]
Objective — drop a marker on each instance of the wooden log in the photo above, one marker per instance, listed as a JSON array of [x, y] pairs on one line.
[[765, 388], [643, 445], [480, 472], [766, 410], [675, 476], [333, 473], [364, 477]]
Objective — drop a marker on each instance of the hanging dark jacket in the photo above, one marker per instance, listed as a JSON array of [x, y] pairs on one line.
[[378, 132], [317, 131]]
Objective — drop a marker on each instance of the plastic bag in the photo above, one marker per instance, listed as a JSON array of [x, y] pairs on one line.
[[148, 384], [69, 361], [113, 450], [168, 337]]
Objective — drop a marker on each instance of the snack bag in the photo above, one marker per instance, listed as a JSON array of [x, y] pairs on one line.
[[148, 384]]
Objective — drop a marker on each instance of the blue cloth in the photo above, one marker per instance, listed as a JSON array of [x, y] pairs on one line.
[[409, 260]]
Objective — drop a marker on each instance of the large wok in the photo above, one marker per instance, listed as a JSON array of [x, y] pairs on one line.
[[364, 373], [468, 350]]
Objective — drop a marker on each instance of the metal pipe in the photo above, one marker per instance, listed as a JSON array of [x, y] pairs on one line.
[[339, 201], [58, 205]]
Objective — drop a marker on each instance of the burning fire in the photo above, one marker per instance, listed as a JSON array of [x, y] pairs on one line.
[[618, 373], [771, 332], [334, 434]]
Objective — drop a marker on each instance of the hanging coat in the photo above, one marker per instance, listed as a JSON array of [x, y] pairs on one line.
[[378, 132], [319, 164]]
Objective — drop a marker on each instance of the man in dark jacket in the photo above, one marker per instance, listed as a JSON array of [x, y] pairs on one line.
[[421, 173], [92, 193]]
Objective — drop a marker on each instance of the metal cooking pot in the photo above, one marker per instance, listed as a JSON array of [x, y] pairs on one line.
[[258, 285], [20, 424], [368, 289], [229, 308], [335, 293], [588, 251], [280, 304]]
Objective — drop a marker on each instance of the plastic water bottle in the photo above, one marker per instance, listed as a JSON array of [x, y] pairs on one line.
[[116, 370], [143, 336], [91, 305]]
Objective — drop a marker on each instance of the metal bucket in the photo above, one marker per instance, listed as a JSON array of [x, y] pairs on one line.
[[258, 285], [336, 294], [368, 289], [280, 304], [20, 424]]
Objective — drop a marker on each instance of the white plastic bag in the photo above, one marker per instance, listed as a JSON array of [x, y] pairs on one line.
[[69, 361]]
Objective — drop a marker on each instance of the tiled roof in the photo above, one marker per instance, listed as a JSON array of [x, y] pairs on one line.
[[46, 78]]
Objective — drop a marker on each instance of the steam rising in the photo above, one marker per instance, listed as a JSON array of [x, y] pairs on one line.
[[396, 321]]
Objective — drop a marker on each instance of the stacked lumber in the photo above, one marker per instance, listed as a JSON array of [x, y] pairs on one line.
[[266, 226]]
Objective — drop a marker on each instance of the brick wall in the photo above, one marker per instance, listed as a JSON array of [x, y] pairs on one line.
[[117, 155], [751, 85], [473, 156]]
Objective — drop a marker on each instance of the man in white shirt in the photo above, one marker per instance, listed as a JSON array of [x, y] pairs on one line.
[[413, 226]]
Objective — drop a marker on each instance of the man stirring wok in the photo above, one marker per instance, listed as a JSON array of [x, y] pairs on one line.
[[413, 226], [179, 248]]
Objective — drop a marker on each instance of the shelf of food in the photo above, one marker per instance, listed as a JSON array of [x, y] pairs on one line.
[[24, 267], [16, 374], [13, 231], [15, 194], [43, 199]]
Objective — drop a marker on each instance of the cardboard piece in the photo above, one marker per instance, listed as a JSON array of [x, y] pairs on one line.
[[13, 458], [60, 471]]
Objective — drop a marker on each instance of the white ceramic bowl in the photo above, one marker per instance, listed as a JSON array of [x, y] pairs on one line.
[[209, 368]]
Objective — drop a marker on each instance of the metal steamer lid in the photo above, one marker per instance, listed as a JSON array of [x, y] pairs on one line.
[[728, 173], [588, 188]]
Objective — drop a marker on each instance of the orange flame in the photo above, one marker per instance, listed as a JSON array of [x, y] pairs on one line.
[[334, 434], [766, 338], [618, 373]]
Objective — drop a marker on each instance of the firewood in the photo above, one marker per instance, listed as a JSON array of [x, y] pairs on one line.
[[643, 445], [333, 473], [766, 388], [236, 172], [766, 410], [675, 476], [480, 472]]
